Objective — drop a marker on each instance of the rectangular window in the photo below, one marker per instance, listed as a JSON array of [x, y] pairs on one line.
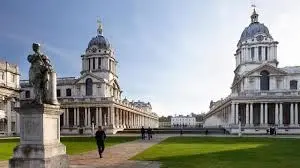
[[89, 63], [252, 53], [58, 92], [99, 63], [259, 53], [68, 92], [109, 65], [266, 53], [94, 63]]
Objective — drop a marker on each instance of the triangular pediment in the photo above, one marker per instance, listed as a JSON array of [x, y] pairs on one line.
[[87, 75], [266, 67]]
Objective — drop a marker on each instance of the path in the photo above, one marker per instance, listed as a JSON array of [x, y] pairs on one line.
[[114, 156], [117, 156]]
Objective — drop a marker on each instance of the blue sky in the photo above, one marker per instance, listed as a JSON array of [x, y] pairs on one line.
[[177, 54]]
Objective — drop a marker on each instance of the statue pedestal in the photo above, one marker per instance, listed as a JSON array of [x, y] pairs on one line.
[[40, 145]]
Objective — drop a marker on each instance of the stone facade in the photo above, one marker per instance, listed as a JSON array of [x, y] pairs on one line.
[[263, 95], [94, 98], [183, 121], [9, 98]]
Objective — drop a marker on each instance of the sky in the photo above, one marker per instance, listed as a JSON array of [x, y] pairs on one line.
[[176, 54]]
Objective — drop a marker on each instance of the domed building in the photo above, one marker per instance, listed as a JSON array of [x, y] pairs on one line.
[[262, 94], [94, 99]]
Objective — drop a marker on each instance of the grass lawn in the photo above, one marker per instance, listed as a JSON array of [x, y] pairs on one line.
[[75, 145], [215, 152]]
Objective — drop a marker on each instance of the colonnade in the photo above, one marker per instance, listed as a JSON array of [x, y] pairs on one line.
[[106, 116], [265, 113]]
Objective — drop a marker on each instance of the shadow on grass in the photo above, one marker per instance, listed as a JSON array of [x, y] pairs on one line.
[[270, 153]]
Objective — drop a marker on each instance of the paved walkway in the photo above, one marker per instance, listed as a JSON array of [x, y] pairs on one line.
[[117, 156], [114, 156]]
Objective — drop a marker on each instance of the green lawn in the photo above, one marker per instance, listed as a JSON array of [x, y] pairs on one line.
[[75, 145], [214, 152]]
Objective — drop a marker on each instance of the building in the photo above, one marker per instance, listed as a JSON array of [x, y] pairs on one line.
[[9, 97], [183, 121], [262, 94], [95, 97]]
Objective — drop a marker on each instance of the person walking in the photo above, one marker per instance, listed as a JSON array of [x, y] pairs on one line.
[[143, 132], [100, 138], [149, 132]]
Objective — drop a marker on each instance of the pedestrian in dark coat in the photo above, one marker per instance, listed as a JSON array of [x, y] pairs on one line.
[[100, 138], [143, 131], [149, 132]]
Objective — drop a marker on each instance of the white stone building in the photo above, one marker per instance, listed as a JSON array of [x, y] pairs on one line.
[[183, 121], [9, 97], [262, 94], [95, 97]]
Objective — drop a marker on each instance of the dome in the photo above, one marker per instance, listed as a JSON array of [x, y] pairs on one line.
[[253, 30], [99, 41]]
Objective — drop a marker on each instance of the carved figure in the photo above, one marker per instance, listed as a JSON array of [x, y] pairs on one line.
[[40, 75]]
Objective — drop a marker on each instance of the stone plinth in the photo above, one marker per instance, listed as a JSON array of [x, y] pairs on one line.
[[40, 145]]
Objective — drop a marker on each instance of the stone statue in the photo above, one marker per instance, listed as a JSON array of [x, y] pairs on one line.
[[42, 77]]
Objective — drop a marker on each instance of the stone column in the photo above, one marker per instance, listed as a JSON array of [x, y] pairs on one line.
[[266, 113], [100, 116], [292, 114], [85, 117], [8, 113], [112, 117], [276, 114], [97, 117], [232, 121], [237, 113], [67, 112], [78, 121], [89, 116], [280, 114], [75, 116], [296, 114], [247, 114], [251, 114]]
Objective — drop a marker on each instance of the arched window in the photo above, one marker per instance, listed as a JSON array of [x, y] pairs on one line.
[[27, 94], [68, 92], [264, 80], [293, 85], [89, 87]]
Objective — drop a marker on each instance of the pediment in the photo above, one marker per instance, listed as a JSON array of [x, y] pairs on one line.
[[84, 77], [266, 67]]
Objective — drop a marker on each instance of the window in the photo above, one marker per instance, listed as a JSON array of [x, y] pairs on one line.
[[293, 85], [252, 53], [94, 63], [264, 80], [58, 92], [12, 106], [99, 63], [27, 94], [109, 68], [68, 92], [259, 53], [12, 78], [266, 53], [89, 87], [89, 60]]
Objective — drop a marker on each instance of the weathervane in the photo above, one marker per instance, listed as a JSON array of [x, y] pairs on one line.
[[100, 27], [253, 5]]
